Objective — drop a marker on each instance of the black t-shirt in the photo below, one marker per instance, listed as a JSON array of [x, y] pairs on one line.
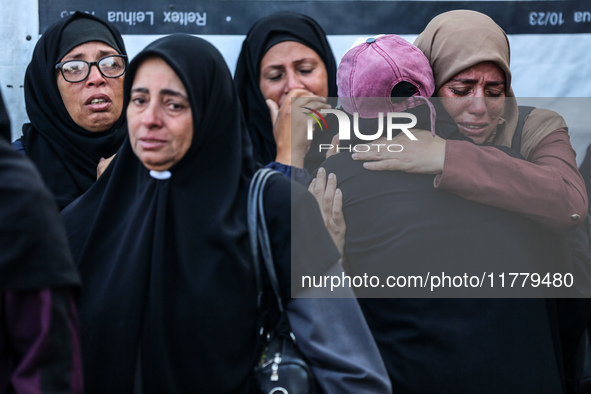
[[399, 224]]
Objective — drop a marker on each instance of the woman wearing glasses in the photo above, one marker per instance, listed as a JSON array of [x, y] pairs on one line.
[[74, 99]]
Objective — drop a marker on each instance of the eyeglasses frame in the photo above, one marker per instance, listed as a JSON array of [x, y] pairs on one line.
[[90, 64]]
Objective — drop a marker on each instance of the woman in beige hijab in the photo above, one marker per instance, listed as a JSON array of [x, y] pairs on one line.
[[469, 54]]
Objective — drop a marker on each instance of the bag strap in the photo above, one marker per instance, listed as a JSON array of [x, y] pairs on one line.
[[515, 149], [524, 111], [259, 238]]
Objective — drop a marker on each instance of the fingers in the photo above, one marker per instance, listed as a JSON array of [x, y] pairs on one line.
[[385, 165], [304, 94], [317, 186], [378, 149], [328, 197], [323, 191], [290, 125], [102, 165], [311, 186], [316, 103], [303, 98], [338, 228], [330, 201], [334, 143], [337, 208], [273, 109], [372, 154], [384, 154], [374, 150]]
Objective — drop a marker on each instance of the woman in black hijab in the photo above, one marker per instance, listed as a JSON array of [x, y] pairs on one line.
[[161, 241], [74, 124], [265, 34], [39, 337]]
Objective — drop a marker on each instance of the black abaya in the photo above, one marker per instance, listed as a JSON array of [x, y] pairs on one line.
[[169, 286], [33, 248]]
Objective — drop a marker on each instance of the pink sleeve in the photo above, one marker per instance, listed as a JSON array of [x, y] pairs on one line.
[[42, 329], [547, 188]]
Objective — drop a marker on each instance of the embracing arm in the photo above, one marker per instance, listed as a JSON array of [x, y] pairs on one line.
[[547, 188]]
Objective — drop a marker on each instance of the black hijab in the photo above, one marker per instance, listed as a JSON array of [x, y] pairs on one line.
[[165, 263], [66, 154], [268, 31], [33, 248]]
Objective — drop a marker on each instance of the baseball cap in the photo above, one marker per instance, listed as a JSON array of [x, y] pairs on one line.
[[379, 67]]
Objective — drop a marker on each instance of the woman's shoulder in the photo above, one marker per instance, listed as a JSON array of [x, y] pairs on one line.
[[537, 126], [541, 115]]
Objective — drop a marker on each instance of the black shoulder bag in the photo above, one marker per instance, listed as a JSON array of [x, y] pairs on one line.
[[282, 369]]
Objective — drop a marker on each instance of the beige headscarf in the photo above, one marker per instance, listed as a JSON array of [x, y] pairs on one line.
[[456, 40]]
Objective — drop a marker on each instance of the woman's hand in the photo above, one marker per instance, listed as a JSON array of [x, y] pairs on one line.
[[102, 165], [334, 142], [424, 156], [290, 128], [330, 200]]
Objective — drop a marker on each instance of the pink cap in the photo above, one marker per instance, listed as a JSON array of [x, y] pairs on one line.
[[373, 68]]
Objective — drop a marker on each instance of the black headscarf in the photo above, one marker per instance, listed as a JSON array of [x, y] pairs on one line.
[[33, 248], [268, 31], [165, 263], [83, 30], [65, 153]]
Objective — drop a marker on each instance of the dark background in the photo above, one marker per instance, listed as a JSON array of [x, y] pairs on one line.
[[337, 17]]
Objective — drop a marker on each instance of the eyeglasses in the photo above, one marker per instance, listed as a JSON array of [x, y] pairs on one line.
[[112, 66]]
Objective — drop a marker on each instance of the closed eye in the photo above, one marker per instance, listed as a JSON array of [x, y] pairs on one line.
[[460, 92]]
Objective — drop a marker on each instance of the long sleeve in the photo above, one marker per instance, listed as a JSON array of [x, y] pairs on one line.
[[300, 175], [334, 336], [547, 188], [18, 146], [42, 349]]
